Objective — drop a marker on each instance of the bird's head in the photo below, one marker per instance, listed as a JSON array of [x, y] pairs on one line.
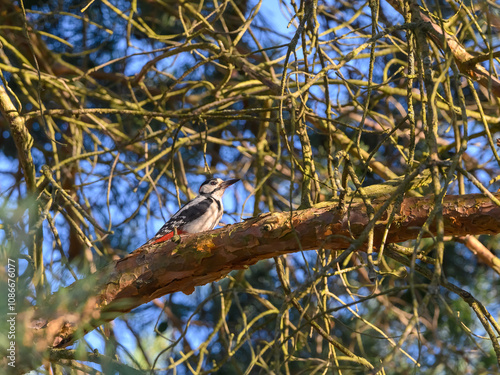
[[215, 187]]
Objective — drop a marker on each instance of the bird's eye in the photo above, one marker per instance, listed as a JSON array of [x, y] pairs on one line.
[[213, 183]]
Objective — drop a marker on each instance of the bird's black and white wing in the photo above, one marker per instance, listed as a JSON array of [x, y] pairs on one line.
[[201, 214]]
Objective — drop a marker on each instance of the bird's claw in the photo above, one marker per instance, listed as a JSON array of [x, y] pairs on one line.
[[176, 237]]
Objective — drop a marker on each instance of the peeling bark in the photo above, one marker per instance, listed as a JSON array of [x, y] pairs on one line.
[[155, 270]]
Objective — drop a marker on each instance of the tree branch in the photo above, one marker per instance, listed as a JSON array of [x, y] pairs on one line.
[[21, 136], [467, 63], [153, 271]]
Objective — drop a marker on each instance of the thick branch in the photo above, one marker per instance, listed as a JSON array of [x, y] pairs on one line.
[[153, 271], [21, 136], [466, 62], [24, 141]]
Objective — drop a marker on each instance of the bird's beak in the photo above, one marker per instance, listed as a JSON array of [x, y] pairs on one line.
[[228, 183]]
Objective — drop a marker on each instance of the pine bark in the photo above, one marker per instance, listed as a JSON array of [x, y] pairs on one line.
[[156, 270]]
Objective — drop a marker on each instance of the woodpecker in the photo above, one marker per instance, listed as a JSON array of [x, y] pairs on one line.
[[201, 214]]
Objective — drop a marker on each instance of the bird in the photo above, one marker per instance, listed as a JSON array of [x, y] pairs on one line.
[[198, 215]]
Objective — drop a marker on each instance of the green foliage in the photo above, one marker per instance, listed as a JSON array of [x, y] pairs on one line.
[[131, 104]]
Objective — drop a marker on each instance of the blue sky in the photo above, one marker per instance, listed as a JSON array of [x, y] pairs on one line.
[[279, 23]]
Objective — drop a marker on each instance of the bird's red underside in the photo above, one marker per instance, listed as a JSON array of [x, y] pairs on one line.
[[167, 236]]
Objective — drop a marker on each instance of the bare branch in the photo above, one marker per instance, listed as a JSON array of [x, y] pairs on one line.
[[153, 271]]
